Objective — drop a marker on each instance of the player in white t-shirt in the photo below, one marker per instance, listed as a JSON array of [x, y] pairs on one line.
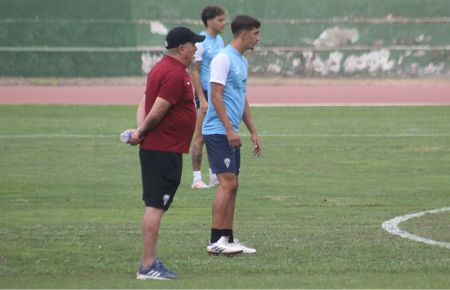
[[228, 108]]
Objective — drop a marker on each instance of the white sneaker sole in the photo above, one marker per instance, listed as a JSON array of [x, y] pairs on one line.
[[231, 254], [195, 186], [146, 277], [214, 184]]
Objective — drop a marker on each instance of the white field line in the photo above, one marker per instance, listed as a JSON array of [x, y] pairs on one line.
[[62, 136], [87, 136], [392, 227]]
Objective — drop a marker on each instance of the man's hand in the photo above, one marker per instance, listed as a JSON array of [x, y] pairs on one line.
[[136, 137], [234, 139], [203, 106], [256, 145]]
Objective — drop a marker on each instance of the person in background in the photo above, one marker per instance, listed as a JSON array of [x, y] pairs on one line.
[[213, 18]]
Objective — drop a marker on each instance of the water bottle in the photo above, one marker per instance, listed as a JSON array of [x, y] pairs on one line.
[[125, 136]]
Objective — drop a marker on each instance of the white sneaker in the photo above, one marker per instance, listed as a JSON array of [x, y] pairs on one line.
[[199, 184], [213, 181], [245, 249], [222, 246]]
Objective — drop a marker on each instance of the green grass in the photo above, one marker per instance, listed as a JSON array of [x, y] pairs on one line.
[[312, 205]]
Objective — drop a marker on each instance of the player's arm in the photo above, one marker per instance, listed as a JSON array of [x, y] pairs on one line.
[[248, 121], [159, 109], [219, 105], [216, 98], [195, 76]]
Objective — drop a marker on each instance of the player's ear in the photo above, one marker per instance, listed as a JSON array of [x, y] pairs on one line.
[[243, 34], [208, 22]]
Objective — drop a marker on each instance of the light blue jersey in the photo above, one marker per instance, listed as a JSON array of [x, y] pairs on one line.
[[230, 69], [206, 51]]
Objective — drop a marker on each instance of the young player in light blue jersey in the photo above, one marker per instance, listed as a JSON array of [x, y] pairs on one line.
[[214, 19], [229, 106]]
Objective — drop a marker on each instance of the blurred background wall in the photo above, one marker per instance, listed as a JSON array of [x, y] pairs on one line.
[[304, 38]]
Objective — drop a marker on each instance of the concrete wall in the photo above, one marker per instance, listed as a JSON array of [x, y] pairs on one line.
[[324, 38]]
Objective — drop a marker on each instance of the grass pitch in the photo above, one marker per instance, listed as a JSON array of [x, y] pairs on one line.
[[312, 204]]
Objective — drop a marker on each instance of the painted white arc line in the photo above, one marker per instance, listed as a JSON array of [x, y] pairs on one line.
[[392, 227]]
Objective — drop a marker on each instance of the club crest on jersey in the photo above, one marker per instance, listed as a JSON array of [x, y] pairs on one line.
[[238, 70], [166, 199], [227, 162]]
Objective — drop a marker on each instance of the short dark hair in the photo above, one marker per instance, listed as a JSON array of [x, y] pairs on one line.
[[243, 22], [211, 12]]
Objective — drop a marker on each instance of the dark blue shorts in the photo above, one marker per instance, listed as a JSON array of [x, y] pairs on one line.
[[197, 100], [222, 157]]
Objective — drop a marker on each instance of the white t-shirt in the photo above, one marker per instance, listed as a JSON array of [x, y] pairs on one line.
[[220, 66], [199, 53]]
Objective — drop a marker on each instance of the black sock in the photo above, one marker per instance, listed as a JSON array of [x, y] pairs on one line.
[[215, 235], [229, 234]]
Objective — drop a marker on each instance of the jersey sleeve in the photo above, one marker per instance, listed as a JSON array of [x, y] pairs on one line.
[[220, 66], [199, 53]]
